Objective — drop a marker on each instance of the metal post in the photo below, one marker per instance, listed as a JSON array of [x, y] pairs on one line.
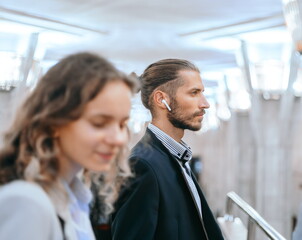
[[246, 65], [29, 57], [251, 230], [287, 100]]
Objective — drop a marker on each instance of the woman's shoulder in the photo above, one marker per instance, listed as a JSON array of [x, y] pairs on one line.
[[26, 206], [21, 189]]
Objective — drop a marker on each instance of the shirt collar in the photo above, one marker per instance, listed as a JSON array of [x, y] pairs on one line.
[[72, 201], [78, 191], [178, 149]]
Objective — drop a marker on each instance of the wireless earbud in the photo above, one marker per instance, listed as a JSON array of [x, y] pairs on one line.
[[167, 105]]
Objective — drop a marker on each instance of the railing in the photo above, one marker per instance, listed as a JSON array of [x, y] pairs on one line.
[[254, 218]]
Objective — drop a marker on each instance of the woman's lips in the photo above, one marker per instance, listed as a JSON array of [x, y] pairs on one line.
[[106, 156]]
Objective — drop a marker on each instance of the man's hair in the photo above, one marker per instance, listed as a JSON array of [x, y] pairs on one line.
[[163, 75]]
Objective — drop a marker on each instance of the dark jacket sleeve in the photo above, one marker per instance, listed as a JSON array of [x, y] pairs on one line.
[[135, 217]]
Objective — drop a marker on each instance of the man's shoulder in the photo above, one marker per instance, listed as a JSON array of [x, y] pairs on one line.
[[146, 156], [146, 149]]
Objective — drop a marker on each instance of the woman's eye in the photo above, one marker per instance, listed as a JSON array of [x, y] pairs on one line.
[[123, 125], [98, 124]]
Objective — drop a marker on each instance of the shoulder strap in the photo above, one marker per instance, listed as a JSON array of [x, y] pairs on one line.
[[62, 223]]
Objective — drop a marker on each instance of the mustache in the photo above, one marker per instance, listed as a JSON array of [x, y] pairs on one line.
[[199, 113]]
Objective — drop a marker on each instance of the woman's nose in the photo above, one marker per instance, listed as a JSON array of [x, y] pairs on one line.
[[117, 136]]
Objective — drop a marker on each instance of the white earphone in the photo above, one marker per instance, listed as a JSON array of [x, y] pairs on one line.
[[166, 104]]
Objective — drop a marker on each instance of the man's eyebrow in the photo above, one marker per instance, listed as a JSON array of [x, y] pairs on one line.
[[196, 89]]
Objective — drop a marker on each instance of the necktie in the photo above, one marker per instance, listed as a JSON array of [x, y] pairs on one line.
[[188, 174]]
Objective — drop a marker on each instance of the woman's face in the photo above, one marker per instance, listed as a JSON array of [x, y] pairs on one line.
[[94, 140]]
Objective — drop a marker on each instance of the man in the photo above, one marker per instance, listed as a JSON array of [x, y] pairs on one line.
[[163, 201]]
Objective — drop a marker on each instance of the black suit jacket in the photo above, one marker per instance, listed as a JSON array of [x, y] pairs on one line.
[[157, 203]]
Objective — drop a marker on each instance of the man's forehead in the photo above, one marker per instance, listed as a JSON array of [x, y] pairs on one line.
[[191, 78]]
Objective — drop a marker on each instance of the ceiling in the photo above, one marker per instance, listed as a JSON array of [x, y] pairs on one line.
[[134, 33]]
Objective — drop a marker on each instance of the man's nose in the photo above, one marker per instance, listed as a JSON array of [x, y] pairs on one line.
[[203, 102]]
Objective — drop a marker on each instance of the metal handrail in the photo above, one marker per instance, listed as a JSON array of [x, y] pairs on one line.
[[254, 217]]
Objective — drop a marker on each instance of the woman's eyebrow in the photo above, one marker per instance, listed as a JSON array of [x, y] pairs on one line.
[[107, 116]]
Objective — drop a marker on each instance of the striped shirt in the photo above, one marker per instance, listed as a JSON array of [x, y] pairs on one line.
[[179, 150]]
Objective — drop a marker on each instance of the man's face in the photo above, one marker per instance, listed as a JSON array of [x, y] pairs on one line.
[[189, 104]]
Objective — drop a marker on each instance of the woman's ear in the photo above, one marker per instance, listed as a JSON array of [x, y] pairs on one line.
[[55, 133]]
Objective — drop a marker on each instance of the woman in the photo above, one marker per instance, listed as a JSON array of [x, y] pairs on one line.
[[74, 122]]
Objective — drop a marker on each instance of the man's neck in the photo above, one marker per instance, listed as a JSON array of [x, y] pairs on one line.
[[168, 128]]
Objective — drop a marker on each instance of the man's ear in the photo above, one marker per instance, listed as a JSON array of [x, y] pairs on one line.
[[158, 97]]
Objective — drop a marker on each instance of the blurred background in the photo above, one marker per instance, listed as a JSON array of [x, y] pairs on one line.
[[249, 56]]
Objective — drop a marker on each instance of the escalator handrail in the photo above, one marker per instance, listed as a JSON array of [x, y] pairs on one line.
[[232, 197]]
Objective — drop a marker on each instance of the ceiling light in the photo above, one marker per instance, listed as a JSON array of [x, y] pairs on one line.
[[269, 67]]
